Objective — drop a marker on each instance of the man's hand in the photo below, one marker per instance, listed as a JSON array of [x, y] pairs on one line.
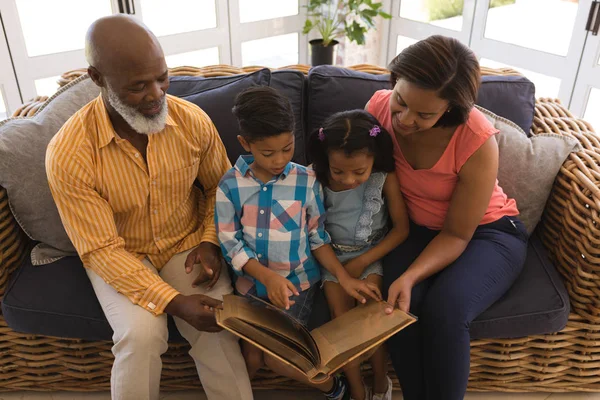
[[279, 290], [354, 287], [209, 257], [197, 310]]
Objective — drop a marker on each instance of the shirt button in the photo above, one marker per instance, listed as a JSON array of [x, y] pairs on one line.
[[154, 182], [265, 189], [259, 234], [151, 306], [137, 155], [158, 238], [262, 211], [259, 255], [155, 211]]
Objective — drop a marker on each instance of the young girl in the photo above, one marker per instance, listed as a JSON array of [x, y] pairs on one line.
[[353, 158]]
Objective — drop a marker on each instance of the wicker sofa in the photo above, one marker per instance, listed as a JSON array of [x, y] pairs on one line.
[[565, 361]]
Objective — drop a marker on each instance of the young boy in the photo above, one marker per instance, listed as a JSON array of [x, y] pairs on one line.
[[270, 221]]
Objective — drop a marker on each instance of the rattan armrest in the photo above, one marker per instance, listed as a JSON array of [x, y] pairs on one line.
[[571, 222], [13, 242]]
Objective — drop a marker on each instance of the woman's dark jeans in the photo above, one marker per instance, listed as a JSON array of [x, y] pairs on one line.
[[431, 357]]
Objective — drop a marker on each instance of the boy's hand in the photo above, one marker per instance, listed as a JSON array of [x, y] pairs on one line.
[[354, 287], [279, 290], [209, 257]]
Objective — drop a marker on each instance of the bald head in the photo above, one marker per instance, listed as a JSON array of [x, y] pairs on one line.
[[120, 41]]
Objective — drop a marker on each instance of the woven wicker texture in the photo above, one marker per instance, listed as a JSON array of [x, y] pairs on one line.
[[561, 362]]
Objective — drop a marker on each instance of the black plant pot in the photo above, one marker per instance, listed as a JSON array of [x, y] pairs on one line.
[[322, 55]]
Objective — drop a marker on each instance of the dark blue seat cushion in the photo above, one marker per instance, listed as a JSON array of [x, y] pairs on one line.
[[537, 303], [333, 89], [58, 300]]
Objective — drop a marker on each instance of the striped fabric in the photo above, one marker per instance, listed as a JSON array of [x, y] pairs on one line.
[[277, 223], [118, 209]]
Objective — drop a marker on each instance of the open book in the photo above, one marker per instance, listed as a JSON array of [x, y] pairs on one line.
[[321, 352]]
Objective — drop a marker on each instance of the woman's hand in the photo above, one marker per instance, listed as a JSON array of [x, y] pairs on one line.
[[399, 294]]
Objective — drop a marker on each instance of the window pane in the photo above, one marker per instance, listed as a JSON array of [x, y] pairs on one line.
[[545, 86], [47, 86], [444, 13], [546, 26], [2, 108], [198, 58], [403, 42], [274, 51], [178, 16], [259, 10], [591, 114], [47, 29]]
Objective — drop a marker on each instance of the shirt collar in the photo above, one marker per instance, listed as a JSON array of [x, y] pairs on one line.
[[243, 166], [106, 132]]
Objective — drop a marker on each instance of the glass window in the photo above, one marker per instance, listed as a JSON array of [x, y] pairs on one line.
[[47, 28], [274, 51], [197, 58], [545, 26], [178, 16], [2, 107], [443, 13], [591, 114], [47, 86], [545, 85], [259, 10], [403, 42]]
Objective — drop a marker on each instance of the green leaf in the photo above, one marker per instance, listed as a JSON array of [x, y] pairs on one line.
[[356, 33], [308, 26], [385, 15]]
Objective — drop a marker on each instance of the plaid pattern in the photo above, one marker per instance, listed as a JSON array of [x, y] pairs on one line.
[[277, 223]]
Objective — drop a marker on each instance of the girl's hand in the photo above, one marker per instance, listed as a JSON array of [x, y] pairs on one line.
[[399, 294], [279, 291], [354, 267], [355, 287]]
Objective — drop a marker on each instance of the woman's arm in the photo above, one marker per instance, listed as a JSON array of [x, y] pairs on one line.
[[397, 235], [470, 200]]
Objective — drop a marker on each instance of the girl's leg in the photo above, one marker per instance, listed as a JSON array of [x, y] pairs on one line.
[[478, 278], [379, 359], [340, 303], [253, 357]]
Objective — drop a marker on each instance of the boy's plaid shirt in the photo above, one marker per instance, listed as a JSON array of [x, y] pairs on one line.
[[277, 223]]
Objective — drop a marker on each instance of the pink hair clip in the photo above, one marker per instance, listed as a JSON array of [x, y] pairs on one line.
[[375, 130], [321, 135]]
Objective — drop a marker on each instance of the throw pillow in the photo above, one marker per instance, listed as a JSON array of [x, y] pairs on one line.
[[216, 97], [529, 165], [23, 143]]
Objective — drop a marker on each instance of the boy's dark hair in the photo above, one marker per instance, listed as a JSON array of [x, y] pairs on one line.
[[262, 112], [349, 131], [445, 65]]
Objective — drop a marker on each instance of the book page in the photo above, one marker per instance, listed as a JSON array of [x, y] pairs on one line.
[[356, 332], [269, 320]]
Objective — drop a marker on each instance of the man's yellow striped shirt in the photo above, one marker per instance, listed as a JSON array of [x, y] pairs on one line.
[[118, 209]]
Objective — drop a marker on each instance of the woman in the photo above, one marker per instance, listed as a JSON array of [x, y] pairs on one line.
[[466, 245]]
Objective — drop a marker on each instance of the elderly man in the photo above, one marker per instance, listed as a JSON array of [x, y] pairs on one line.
[[122, 172]]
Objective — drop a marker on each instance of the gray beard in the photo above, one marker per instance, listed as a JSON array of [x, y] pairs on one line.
[[135, 119]]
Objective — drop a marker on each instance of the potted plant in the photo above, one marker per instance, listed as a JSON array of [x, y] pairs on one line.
[[338, 18]]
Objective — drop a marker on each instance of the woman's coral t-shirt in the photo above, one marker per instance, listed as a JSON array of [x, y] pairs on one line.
[[427, 192]]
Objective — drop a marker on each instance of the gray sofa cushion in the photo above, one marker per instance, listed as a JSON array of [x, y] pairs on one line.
[[537, 303], [23, 143]]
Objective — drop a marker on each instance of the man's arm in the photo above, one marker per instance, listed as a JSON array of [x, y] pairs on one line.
[[89, 222], [213, 165]]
